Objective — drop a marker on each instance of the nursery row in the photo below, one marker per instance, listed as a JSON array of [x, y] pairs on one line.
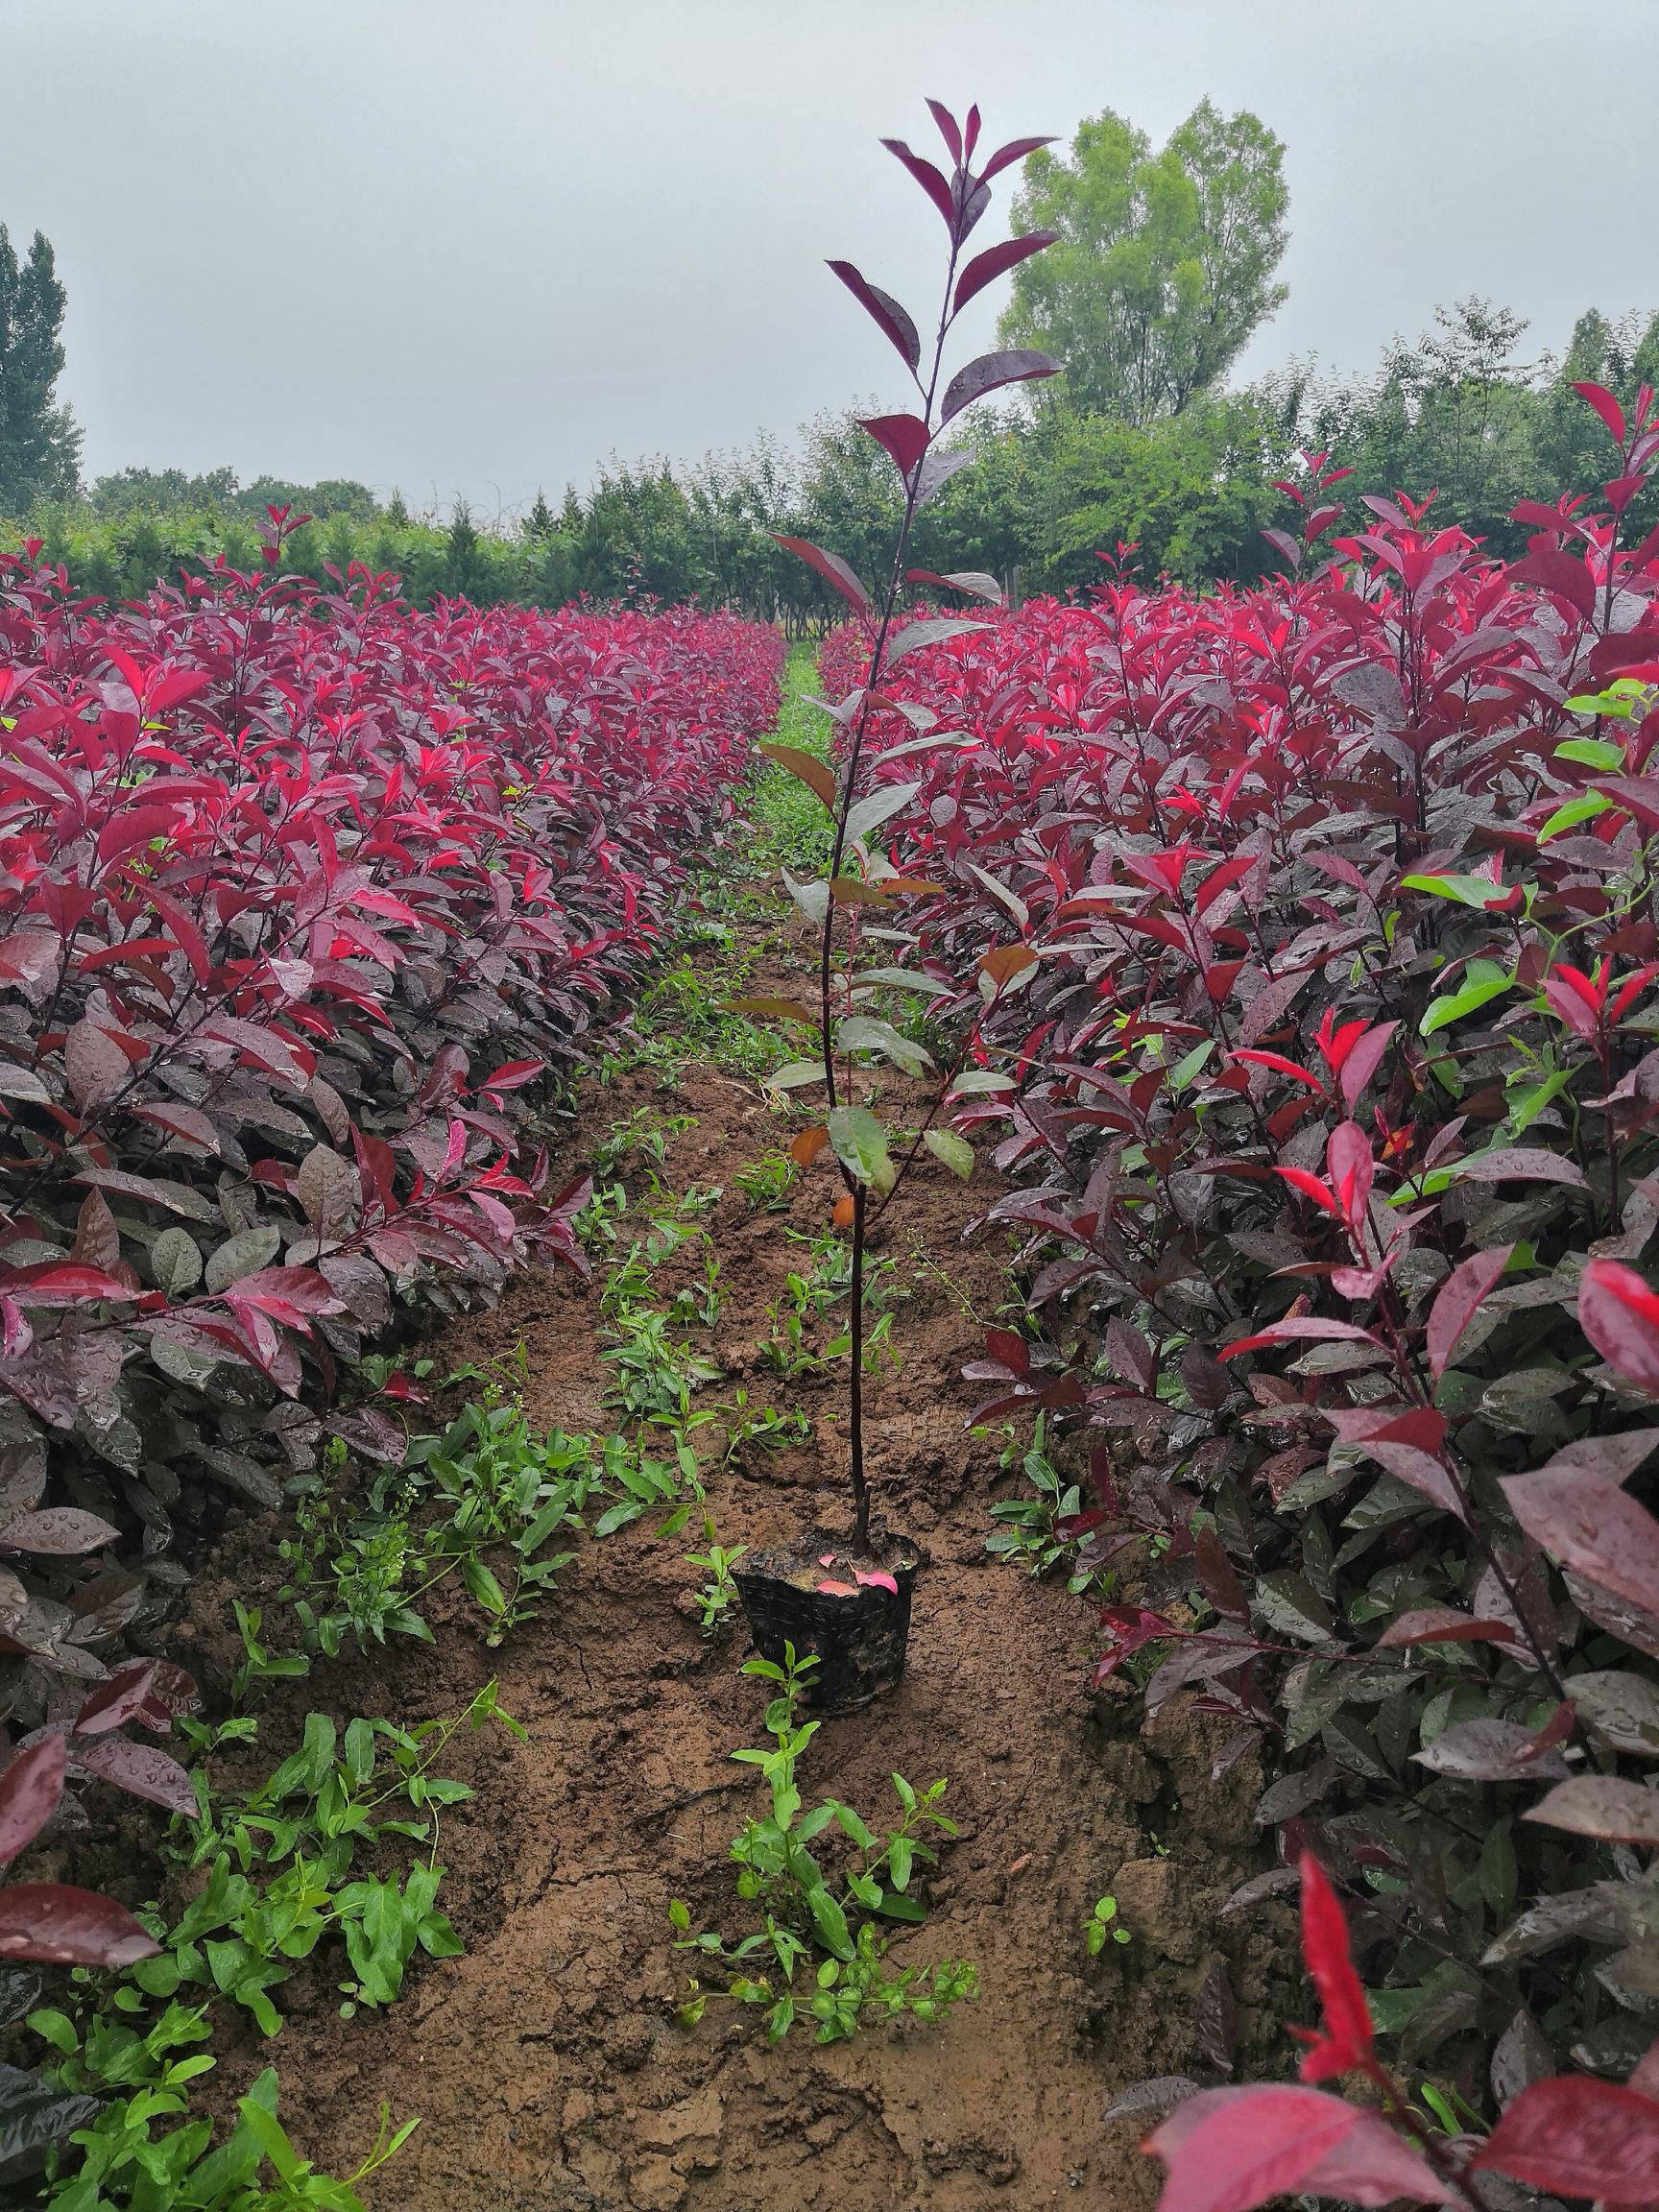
[[1303, 945], [304, 902]]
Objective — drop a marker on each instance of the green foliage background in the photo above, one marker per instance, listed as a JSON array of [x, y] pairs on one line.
[[1164, 268]]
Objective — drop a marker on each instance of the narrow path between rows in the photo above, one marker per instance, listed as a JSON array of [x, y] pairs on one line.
[[547, 2062]]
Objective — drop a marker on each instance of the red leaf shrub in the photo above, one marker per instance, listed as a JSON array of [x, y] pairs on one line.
[[1328, 1066], [1233, 2148], [297, 895], [1585, 2138], [50, 1922]]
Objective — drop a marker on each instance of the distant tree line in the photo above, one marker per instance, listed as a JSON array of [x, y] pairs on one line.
[[1164, 266]]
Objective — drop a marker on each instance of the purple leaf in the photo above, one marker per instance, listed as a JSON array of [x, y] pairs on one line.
[[1491, 1750], [904, 437], [831, 567], [30, 1789], [1457, 1301], [985, 268], [1522, 1163], [1231, 2149], [62, 1927], [893, 320], [141, 1769], [1591, 1525], [1601, 1805], [990, 372], [937, 470], [1131, 1356], [61, 1531], [974, 581], [932, 629], [949, 128], [96, 1066], [931, 182], [147, 1691], [1015, 149]]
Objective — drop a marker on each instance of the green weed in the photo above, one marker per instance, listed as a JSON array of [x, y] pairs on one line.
[[1030, 1530], [767, 1183], [826, 1923], [1103, 1926]]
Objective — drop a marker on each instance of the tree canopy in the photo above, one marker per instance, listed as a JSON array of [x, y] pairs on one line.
[[40, 444], [1165, 261]]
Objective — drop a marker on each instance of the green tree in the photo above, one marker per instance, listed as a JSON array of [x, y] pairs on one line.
[[1191, 493], [1164, 263], [39, 443], [160, 491], [1573, 453]]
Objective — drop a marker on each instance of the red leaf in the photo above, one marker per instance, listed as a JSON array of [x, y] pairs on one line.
[[1620, 1314], [1352, 1170], [831, 568], [1443, 1625], [133, 825], [928, 177], [30, 1789], [891, 317], [1231, 2149], [1458, 1300], [1296, 1328], [69, 1285], [1015, 149], [141, 1769], [513, 1075], [302, 1289], [1280, 1067], [1597, 397], [1311, 1186], [1580, 2136], [1559, 572], [1349, 2037], [1361, 1062], [990, 372], [903, 438], [985, 268], [1409, 1444], [62, 1927], [147, 1691]]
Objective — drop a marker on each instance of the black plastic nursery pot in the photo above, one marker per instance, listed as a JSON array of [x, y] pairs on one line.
[[813, 1596]]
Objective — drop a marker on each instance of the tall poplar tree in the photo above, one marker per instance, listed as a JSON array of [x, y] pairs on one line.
[[40, 440], [1165, 263]]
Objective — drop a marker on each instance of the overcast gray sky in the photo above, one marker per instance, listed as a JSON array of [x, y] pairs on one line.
[[477, 246]]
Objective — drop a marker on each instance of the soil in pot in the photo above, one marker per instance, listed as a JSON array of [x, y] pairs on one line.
[[850, 1610]]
